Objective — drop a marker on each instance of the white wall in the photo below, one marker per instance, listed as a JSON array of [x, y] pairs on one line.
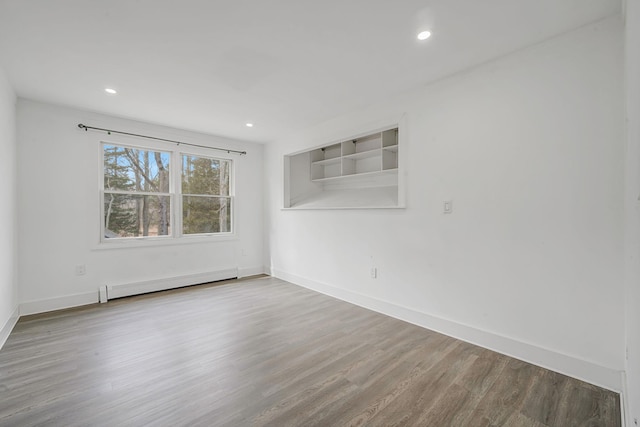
[[632, 209], [530, 149], [8, 209], [59, 206]]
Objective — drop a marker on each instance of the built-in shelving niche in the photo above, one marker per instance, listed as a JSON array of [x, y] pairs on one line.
[[358, 172]]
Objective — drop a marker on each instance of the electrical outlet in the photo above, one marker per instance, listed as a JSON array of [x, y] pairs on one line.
[[374, 272], [81, 270], [448, 206]]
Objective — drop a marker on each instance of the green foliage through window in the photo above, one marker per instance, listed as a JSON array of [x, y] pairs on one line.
[[138, 196], [206, 205]]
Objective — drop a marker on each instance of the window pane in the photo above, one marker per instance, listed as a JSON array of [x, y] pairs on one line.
[[201, 175], [206, 214], [132, 169], [128, 215]]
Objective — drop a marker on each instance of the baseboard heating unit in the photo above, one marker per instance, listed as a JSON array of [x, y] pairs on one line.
[[109, 292]]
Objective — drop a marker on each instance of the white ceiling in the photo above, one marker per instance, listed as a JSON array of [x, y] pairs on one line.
[[213, 65]]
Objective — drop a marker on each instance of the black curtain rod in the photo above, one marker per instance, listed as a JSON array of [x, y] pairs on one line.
[[110, 131]]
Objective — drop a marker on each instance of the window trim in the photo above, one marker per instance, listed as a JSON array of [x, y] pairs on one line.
[[231, 196], [176, 236]]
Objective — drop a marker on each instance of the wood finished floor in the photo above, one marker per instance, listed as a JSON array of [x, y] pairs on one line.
[[263, 352]]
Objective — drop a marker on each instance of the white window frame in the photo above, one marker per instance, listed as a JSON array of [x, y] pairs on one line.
[[175, 196], [179, 194]]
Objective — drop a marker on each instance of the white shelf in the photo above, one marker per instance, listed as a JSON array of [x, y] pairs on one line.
[[358, 172], [364, 154], [327, 162], [354, 176], [365, 198]]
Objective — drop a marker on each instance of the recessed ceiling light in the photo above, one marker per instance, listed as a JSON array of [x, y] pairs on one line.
[[110, 91], [424, 35], [249, 125]]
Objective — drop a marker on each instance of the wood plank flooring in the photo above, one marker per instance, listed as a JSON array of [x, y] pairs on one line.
[[263, 352]]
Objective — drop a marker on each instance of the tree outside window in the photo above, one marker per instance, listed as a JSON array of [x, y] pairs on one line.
[[138, 196], [206, 204]]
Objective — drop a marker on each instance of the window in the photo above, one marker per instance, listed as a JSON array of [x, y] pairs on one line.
[[206, 205], [144, 196]]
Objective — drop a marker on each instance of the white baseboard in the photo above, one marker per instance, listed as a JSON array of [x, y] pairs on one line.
[[590, 372], [164, 283], [121, 290], [9, 325], [623, 403], [250, 271], [58, 303]]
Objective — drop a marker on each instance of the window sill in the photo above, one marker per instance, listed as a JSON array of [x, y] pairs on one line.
[[145, 242]]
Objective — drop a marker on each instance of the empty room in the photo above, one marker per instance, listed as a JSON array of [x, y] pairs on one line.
[[320, 213]]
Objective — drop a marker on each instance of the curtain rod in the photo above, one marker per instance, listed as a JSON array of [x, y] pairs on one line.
[[110, 131]]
